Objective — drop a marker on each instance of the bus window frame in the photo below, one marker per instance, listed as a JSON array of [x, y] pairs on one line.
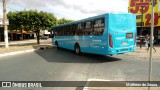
[[88, 31], [79, 31], [99, 32]]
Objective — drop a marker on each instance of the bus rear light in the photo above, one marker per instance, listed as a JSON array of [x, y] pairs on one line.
[[110, 41], [135, 38]]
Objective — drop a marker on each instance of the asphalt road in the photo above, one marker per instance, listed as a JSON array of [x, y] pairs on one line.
[[63, 65]]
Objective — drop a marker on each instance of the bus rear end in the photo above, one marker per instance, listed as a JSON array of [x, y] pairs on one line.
[[121, 33]]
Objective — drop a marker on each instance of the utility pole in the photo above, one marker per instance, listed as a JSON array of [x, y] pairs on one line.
[[5, 25], [151, 42], [141, 26]]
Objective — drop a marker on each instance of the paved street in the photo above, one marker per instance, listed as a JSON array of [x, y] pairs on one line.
[[63, 65]]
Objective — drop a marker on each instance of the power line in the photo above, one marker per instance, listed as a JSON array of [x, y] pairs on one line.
[[11, 9], [7, 6]]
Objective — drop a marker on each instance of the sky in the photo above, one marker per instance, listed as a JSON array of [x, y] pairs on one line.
[[69, 9]]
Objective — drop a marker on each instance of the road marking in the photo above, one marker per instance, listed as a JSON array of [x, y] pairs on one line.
[[14, 53], [86, 87]]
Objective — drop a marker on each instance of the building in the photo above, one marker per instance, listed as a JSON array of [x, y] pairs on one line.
[[143, 10], [45, 33], [16, 35], [1, 34]]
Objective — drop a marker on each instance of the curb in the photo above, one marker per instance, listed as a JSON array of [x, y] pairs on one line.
[[18, 52], [30, 50]]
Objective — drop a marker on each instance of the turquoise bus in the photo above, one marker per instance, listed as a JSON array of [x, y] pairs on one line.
[[107, 34]]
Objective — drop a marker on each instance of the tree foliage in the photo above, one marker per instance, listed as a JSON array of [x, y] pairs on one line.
[[63, 20], [31, 20]]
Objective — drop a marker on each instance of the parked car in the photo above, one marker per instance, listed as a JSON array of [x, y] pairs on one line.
[[44, 37], [140, 38]]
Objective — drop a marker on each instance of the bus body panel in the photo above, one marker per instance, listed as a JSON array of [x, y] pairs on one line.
[[119, 26], [99, 44]]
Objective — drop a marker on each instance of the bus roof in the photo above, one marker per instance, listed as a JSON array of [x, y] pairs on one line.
[[89, 18]]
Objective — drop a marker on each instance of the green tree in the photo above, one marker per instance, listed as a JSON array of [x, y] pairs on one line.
[[31, 20], [13, 25], [63, 20]]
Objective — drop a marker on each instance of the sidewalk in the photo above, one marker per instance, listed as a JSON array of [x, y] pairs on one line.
[[23, 46], [142, 53], [24, 42]]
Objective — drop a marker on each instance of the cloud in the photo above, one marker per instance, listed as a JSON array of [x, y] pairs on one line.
[[1, 13], [29, 4], [1, 9], [71, 9], [86, 8]]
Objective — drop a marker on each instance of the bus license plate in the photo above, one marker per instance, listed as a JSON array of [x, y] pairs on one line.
[[124, 43]]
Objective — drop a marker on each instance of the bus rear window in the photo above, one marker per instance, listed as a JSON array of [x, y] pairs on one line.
[[129, 35]]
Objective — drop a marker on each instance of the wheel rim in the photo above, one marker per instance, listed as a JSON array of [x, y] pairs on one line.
[[56, 44], [77, 50]]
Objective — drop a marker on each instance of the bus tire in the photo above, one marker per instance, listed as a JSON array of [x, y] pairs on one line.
[[56, 44], [77, 49]]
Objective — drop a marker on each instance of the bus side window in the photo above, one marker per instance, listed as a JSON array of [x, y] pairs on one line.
[[88, 24], [99, 23], [67, 30], [80, 27], [58, 31], [88, 28], [98, 26], [62, 31], [52, 32], [73, 29]]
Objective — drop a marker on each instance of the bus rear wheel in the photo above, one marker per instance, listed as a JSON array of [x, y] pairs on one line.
[[77, 49]]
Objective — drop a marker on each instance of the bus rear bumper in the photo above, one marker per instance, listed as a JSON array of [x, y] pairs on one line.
[[121, 50]]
